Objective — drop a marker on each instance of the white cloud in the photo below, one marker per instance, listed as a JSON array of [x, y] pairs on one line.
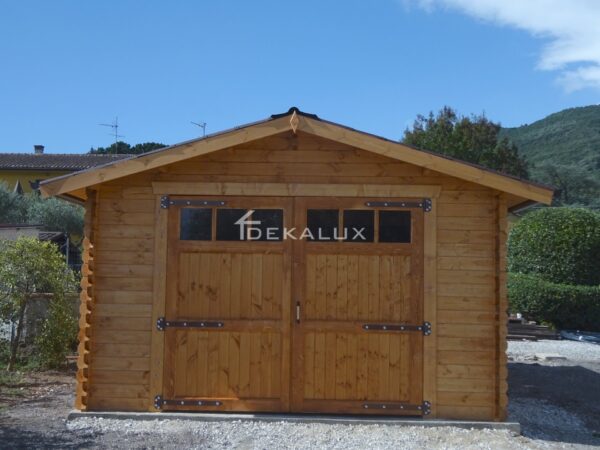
[[570, 27]]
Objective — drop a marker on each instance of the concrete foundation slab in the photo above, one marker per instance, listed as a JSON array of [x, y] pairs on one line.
[[515, 427]]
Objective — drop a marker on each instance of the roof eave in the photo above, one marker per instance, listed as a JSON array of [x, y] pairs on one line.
[[296, 120]]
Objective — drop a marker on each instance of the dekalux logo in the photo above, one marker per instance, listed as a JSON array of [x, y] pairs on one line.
[[250, 230]]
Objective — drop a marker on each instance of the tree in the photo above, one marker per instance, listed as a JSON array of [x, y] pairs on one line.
[[56, 215], [121, 147], [53, 214], [574, 186], [13, 206], [29, 267], [473, 139]]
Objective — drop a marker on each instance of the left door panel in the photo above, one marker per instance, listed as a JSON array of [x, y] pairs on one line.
[[227, 324]]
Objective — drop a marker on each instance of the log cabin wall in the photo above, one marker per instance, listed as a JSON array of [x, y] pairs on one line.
[[466, 378]]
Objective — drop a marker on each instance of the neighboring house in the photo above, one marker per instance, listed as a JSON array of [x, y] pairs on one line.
[[23, 171], [71, 252]]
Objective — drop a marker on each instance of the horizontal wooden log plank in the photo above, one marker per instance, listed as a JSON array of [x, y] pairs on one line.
[[125, 218], [466, 276], [447, 182], [113, 244], [466, 344], [140, 377], [466, 317], [465, 263], [141, 205], [466, 237], [122, 323], [466, 223], [125, 231], [465, 398], [480, 210], [121, 363], [124, 337], [126, 310], [463, 385], [122, 270], [119, 297], [98, 403], [123, 284], [466, 412], [471, 358], [124, 257], [118, 350], [323, 155], [465, 330], [121, 192], [296, 168], [466, 303], [461, 197], [469, 250], [465, 371], [118, 390], [467, 290]]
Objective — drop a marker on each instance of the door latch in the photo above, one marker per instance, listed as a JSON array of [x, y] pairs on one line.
[[297, 312]]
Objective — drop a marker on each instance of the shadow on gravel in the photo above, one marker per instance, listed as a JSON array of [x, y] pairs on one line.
[[15, 437], [556, 403]]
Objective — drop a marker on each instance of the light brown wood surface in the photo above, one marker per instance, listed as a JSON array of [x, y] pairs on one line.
[[463, 276]]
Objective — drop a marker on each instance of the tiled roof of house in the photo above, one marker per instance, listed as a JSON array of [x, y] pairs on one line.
[[49, 161]]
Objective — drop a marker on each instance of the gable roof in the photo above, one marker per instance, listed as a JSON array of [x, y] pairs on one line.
[[295, 120], [55, 161]]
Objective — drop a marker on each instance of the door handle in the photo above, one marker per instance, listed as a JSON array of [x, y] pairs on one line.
[[297, 312]]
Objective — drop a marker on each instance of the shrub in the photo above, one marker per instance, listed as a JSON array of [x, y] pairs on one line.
[[58, 336], [562, 305], [561, 245]]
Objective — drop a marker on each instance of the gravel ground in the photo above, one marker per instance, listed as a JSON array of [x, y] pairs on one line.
[[557, 402]]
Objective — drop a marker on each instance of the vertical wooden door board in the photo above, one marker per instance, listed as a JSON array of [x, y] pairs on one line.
[[158, 302], [430, 306]]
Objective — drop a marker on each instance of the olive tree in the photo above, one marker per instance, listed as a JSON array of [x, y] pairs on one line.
[[28, 267]]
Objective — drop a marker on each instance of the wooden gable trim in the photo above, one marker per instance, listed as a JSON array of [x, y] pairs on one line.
[[74, 182], [430, 161], [308, 124]]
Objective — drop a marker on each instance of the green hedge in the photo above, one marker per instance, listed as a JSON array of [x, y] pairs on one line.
[[562, 305], [561, 245]]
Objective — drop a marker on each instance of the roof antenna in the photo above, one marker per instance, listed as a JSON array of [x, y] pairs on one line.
[[115, 133], [201, 125]]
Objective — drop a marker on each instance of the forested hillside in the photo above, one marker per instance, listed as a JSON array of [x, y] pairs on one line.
[[563, 149]]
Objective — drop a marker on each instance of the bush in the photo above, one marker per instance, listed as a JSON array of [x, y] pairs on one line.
[[562, 305], [58, 336], [561, 245]]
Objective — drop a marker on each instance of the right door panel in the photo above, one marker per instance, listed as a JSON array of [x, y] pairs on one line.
[[347, 291]]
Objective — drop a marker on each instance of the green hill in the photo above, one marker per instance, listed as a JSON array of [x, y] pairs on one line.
[[570, 137]]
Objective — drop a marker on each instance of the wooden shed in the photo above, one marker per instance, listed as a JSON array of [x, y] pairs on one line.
[[294, 265]]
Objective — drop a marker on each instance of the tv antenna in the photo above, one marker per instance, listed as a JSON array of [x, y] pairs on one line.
[[115, 132], [201, 125]]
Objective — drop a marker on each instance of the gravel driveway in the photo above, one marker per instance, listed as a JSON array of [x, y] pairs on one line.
[[557, 403]]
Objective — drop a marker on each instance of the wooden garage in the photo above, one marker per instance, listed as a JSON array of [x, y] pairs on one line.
[[298, 265]]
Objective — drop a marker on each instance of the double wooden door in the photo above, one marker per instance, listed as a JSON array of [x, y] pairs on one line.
[[294, 304]]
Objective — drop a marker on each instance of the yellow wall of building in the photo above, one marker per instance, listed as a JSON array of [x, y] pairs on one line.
[[10, 177]]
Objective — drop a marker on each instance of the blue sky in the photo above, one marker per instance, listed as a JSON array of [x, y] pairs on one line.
[[67, 66]]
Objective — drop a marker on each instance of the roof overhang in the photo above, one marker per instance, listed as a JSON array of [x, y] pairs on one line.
[[74, 185]]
